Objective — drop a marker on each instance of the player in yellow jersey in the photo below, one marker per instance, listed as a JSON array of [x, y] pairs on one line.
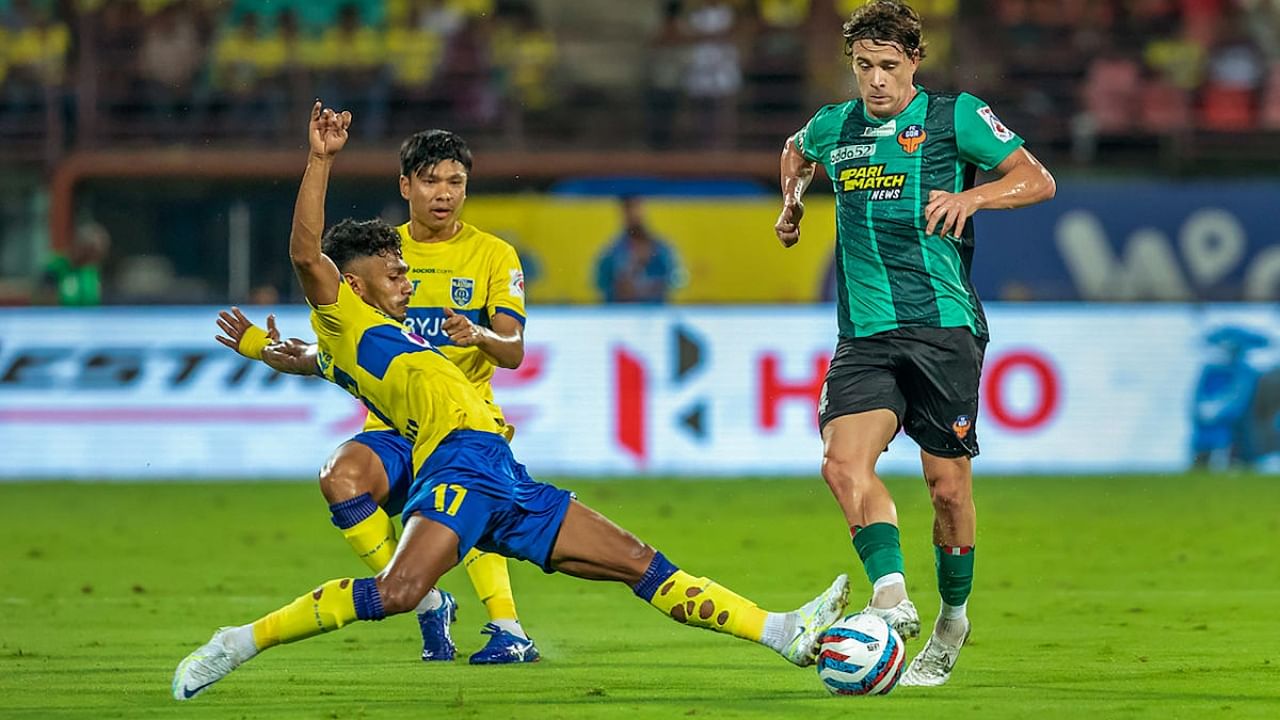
[[467, 300], [468, 490]]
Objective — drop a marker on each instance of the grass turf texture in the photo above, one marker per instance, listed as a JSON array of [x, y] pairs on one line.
[[1094, 597]]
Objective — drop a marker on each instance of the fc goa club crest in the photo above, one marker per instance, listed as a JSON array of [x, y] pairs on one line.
[[911, 138], [961, 426], [460, 291]]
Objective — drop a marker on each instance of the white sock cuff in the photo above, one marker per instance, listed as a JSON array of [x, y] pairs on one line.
[[887, 580], [778, 629], [432, 600], [241, 643], [953, 612]]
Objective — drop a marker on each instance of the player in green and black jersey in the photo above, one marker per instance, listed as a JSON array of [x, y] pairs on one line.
[[903, 162]]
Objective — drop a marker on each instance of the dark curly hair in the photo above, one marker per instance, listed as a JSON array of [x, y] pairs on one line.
[[885, 21], [430, 147], [353, 239]]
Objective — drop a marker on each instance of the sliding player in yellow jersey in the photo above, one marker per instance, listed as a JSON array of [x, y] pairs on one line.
[[467, 490], [467, 300]]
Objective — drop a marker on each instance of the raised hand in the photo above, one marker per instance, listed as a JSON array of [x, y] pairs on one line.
[[234, 324], [328, 130]]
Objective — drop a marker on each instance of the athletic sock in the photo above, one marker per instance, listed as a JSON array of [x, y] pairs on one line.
[[954, 564], [699, 602], [492, 581], [367, 528], [327, 608], [880, 549]]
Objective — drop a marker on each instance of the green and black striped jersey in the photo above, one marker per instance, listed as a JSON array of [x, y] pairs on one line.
[[889, 273]]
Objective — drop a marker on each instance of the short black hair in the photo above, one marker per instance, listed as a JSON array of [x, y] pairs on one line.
[[354, 239], [431, 147], [886, 21]]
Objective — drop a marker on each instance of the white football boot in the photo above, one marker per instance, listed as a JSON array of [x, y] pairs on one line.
[[932, 666], [207, 665], [901, 617], [813, 619]]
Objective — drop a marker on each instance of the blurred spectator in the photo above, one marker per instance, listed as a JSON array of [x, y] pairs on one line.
[[1236, 72], [524, 54], [243, 63], [665, 59], [416, 40], [352, 71], [171, 56], [637, 266], [713, 73], [33, 60], [1270, 116], [264, 295], [1111, 93], [75, 279]]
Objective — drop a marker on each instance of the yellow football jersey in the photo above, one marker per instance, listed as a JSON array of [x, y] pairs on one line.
[[403, 379], [473, 273]]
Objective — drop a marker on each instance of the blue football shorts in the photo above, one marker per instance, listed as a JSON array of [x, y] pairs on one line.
[[396, 454], [473, 485]]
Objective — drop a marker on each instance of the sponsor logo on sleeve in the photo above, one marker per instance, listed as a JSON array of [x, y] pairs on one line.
[[1002, 133], [515, 286]]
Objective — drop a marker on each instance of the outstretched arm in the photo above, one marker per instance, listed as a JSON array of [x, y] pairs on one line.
[[292, 356], [319, 276], [797, 172]]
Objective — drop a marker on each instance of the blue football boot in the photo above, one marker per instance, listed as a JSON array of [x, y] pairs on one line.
[[504, 648], [437, 644]]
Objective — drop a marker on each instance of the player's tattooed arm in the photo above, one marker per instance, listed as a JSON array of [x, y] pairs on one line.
[[796, 174], [327, 134]]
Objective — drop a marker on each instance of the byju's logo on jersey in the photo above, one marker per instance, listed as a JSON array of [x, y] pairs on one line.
[[460, 291], [911, 138], [1002, 133]]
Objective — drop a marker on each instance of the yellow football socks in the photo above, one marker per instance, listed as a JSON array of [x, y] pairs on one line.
[[373, 539], [327, 608], [488, 572], [699, 602]]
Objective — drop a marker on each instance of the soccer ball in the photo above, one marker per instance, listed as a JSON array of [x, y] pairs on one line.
[[861, 655]]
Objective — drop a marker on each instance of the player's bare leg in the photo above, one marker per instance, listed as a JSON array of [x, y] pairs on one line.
[[851, 445], [427, 550], [950, 482], [592, 547], [355, 484]]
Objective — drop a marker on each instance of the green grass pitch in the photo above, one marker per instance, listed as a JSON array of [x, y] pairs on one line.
[[1104, 597]]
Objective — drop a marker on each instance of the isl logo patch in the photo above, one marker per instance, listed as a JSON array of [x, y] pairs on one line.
[[460, 291], [961, 426], [911, 138]]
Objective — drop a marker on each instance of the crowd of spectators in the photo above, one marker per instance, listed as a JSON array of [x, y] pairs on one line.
[[648, 73]]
